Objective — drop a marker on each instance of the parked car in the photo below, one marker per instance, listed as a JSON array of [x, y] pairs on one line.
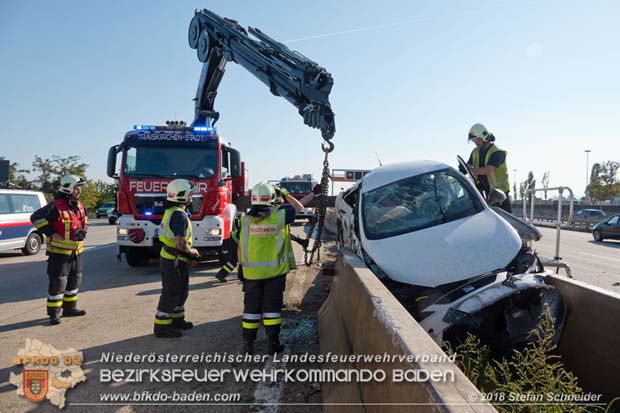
[[112, 216], [455, 263], [596, 213], [16, 230], [609, 228], [104, 209]]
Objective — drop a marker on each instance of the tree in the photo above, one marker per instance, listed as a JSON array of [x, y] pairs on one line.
[[524, 186], [51, 170], [545, 182], [96, 193], [604, 183]]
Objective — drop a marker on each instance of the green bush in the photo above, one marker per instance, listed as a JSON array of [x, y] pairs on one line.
[[533, 371]]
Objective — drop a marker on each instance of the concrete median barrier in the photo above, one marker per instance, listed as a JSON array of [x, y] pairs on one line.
[[362, 318], [590, 342]]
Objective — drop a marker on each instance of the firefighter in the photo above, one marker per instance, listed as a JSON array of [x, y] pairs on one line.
[[488, 163], [175, 233], [266, 256], [231, 263], [64, 221]]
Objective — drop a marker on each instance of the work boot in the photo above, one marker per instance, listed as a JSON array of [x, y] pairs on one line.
[[248, 347], [72, 312], [166, 332], [54, 320], [274, 346], [221, 275], [181, 324]]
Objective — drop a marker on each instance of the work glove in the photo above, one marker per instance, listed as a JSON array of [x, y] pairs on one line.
[[280, 192], [317, 190]]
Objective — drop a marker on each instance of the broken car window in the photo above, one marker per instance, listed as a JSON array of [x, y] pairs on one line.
[[417, 202]]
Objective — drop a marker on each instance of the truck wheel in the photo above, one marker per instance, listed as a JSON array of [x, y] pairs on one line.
[[112, 221], [136, 257], [33, 244]]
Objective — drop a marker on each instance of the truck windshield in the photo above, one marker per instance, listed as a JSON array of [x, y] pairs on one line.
[[145, 161], [297, 187], [417, 202]]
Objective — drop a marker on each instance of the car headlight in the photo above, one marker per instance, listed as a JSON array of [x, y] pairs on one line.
[[122, 231], [213, 231]]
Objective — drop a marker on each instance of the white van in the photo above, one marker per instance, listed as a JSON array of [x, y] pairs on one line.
[[16, 230]]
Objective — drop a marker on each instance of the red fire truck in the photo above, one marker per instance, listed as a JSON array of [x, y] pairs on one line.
[[154, 155]]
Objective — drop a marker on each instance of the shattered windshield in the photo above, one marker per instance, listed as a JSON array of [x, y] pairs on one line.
[[417, 202]]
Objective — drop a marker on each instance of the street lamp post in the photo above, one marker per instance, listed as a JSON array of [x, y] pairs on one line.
[[587, 151]]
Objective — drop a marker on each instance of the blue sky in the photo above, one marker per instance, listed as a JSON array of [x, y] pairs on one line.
[[410, 78]]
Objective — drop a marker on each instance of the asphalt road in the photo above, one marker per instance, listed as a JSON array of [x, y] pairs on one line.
[[121, 303], [596, 263]]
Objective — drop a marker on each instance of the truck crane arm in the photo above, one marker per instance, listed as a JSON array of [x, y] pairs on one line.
[[286, 72]]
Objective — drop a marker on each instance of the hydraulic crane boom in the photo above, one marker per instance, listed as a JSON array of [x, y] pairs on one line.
[[286, 72]]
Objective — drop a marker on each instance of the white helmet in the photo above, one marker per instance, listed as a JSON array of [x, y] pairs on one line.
[[263, 194], [479, 131], [179, 191], [68, 182]]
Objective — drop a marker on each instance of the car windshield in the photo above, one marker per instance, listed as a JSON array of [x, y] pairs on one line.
[[146, 161], [108, 205], [297, 187], [417, 202]]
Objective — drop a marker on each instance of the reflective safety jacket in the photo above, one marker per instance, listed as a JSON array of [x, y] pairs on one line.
[[66, 226], [266, 249], [166, 236], [499, 177]]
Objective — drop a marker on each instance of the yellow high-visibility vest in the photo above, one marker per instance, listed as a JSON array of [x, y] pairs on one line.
[[166, 236]]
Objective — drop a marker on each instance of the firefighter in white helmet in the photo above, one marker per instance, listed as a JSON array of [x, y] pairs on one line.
[[64, 221], [488, 163], [175, 233], [232, 259], [265, 256]]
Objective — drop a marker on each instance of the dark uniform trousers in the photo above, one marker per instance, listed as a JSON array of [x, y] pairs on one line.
[[175, 289], [65, 276], [263, 299]]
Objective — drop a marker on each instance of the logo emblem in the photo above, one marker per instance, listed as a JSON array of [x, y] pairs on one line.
[[36, 384]]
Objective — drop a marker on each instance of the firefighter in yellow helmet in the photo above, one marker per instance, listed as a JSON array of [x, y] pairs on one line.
[[175, 233], [488, 163], [64, 221], [265, 256]]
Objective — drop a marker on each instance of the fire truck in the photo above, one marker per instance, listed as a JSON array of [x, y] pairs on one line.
[[153, 155], [298, 186]]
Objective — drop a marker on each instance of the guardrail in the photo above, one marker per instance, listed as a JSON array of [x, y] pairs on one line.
[[556, 261]]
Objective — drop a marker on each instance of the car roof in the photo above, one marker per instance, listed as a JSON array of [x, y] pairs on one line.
[[386, 174], [20, 192]]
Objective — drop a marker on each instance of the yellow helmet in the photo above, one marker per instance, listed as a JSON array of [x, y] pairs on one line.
[[68, 182], [179, 191], [263, 194]]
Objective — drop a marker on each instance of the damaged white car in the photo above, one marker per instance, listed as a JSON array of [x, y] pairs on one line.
[[455, 263]]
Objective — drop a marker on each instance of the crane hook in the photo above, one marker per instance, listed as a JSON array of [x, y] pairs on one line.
[[327, 148]]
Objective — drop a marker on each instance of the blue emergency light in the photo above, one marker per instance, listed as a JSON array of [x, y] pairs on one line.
[[204, 129], [144, 127], [148, 213]]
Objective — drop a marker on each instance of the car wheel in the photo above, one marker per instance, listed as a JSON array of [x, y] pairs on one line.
[[111, 221], [33, 244], [596, 234]]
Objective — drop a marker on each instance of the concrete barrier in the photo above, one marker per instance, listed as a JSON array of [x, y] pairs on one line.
[[361, 317], [590, 342]]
